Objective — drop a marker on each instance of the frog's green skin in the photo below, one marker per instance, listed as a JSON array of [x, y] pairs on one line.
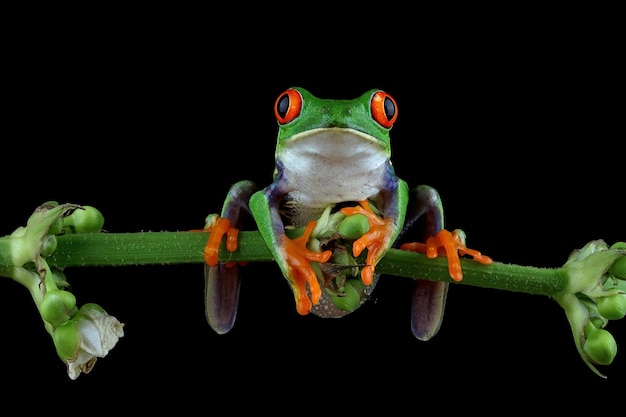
[[331, 152]]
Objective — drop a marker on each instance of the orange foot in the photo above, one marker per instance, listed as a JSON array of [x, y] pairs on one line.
[[451, 245], [298, 258], [375, 240], [218, 227]]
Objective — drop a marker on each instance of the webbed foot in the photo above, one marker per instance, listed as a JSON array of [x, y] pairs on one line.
[[218, 227], [376, 240], [450, 245], [298, 257]]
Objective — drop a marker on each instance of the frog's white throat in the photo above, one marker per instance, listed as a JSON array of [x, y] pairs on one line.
[[332, 165]]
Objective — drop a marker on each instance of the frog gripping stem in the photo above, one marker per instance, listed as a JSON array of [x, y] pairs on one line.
[[220, 227], [298, 258], [222, 279], [450, 245], [374, 240]]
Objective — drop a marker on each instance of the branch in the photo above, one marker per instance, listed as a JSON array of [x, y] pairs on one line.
[[590, 286], [168, 248]]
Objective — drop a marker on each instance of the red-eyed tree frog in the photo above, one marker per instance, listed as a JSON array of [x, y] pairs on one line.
[[333, 156]]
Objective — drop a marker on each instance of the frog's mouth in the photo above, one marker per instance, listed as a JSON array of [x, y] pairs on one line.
[[338, 149], [330, 165]]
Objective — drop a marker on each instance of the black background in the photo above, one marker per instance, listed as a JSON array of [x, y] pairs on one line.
[[151, 124]]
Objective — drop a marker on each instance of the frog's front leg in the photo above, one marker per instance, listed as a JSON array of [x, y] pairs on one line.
[[376, 240], [297, 258], [292, 255], [222, 280]]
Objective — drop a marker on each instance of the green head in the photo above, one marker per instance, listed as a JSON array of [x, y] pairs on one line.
[[368, 117]]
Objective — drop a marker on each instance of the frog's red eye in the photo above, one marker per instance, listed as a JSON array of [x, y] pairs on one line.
[[288, 106], [384, 109]]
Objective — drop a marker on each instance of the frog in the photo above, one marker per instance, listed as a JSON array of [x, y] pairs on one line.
[[333, 156]]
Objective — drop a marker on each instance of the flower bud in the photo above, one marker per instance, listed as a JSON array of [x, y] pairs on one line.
[[86, 219], [48, 245], [618, 269], [67, 340], [600, 346], [612, 307], [352, 296], [354, 226], [56, 227], [90, 334], [60, 280], [619, 245], [57, 307]]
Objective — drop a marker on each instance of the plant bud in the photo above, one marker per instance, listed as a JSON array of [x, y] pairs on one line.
[[618, 269], [354, 226], [352, 297], [48, 246], [56, 227], [612, 307], [59, 277], [57, 307], [86, 219], [619, 245], [67, 340], [600, 346]]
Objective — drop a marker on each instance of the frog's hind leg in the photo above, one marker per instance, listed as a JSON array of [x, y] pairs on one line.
[[424, 219], [222, 281]]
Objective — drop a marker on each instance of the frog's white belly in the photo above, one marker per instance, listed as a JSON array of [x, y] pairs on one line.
[[327, 166]]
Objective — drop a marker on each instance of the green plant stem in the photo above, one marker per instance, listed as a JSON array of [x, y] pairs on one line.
[[168, 248]]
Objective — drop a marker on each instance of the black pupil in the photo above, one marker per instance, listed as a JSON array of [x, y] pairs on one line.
[[390, 109], [283, 106]]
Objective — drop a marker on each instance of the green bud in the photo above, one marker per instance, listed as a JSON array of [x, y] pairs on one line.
[[48, 246], [59, 278], [600, 346], [612, 307], [619, 245], [56, 227], [353, 227], [618, 269], [86, 219], [57, 307], [67, 340], [352, 296]]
